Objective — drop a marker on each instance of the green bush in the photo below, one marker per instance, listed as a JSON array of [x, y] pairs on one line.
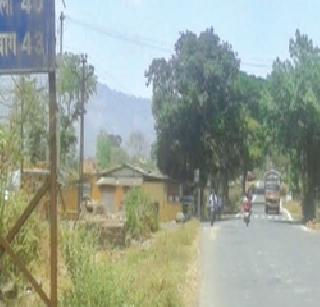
[[93, 283], [141, 214], [26, 242]]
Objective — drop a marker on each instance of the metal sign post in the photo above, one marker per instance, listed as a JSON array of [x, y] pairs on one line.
[[197, 181], [27, 45]]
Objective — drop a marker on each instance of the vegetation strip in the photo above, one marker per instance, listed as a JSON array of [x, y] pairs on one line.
[[149, 275]]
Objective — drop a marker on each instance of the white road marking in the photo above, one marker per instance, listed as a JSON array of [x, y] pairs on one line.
[[287, 213], [264, 216], [213, 233], [306, 229]]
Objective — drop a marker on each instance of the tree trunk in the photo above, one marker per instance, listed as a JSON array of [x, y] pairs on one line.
[[309, 187], [244, 179], [201, 203]]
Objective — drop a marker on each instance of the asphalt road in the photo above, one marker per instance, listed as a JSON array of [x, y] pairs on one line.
[[273, 262]]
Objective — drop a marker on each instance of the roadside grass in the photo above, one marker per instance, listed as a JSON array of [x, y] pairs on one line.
[[152, 274], [295, 209]]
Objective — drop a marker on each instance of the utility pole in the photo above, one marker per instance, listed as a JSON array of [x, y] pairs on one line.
[[83, 61], [86, 73], [53, 106], [197, 182], [22, 93], [62, 18]]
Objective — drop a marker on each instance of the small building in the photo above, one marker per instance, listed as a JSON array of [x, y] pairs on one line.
[[115, 183]]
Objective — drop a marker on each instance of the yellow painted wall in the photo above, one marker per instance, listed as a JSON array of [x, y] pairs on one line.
[[69, 206], [171, 210], [95, 191], [157, 192]]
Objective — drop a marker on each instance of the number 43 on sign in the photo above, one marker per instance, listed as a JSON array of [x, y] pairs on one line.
[[33, 43]]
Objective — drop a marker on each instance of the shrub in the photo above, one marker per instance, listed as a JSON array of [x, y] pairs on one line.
[[93, 283], [141, 214], [26, 242]]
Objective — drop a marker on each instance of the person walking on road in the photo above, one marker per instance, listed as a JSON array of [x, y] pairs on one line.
[[213, 206]]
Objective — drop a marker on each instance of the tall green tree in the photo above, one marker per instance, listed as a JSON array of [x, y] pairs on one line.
[[103, 150], [109, 151], [253, 133], [196, 108], [28, 118], [295, 113]]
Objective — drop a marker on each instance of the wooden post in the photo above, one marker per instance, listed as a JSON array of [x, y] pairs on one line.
[[53, 187]]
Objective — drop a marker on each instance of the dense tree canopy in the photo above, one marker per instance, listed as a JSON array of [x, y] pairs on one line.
[[207, 112], [194, 105], [295, 112]]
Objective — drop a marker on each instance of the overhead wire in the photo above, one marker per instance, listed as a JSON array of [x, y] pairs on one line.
[[143, 41], [136, 40]]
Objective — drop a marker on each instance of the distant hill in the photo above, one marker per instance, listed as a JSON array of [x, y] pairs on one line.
[[118, 113]]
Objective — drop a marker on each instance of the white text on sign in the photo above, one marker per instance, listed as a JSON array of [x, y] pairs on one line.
[[8, 43], [29, 6], [6, 8]]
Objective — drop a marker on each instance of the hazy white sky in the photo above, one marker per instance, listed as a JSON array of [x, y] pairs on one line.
[[122, 37]]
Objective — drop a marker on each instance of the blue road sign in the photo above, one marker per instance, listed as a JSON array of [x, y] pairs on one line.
[[27, 36]]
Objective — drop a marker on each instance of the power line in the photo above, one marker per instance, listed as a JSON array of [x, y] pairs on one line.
[[136, 40], [145, 42]]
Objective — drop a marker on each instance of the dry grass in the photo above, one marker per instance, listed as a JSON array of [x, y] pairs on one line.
[[191, 287], [295, 209], [314, 225], [166, 269], [157, 273]]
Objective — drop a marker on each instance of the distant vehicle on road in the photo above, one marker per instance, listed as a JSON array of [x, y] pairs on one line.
[[272, 186]]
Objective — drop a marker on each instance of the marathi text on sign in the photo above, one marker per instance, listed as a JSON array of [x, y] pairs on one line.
[[8, 44]]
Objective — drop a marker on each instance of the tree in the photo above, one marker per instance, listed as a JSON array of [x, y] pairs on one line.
[[103, 150], [28, 118], [196, 108], [109, 150], [252, 125], [69, 87], [294, 112], [137, 146]]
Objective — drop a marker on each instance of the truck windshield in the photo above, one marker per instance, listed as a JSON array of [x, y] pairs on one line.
[[272, 187]]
